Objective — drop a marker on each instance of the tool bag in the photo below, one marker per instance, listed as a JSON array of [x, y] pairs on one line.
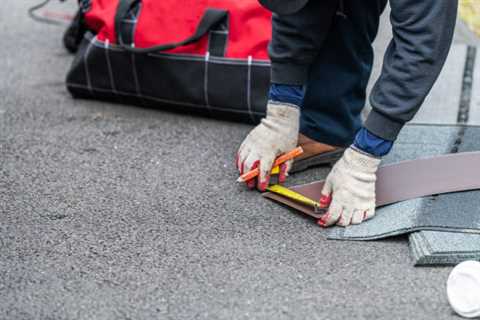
[[207, 56]]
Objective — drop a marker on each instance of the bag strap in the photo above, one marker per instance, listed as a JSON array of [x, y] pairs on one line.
[[123, 8], [209, 21]]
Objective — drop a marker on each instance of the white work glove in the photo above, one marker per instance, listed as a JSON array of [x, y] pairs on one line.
[[349, 191], [276, 134]]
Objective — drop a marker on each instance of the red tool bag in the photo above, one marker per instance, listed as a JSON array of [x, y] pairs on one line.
[[188, 55]]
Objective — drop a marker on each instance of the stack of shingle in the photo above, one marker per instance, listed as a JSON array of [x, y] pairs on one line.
[[443, 229], [436, 247]]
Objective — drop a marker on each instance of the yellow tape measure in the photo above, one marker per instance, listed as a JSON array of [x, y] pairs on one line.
[[295, 196]]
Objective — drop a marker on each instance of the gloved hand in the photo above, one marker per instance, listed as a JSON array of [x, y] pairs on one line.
[[276, 134], [349, 191]]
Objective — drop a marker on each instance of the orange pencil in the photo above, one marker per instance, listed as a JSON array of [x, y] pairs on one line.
[[280, 160]]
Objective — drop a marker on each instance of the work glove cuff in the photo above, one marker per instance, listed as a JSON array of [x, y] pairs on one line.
[[283, 111], [360, 160]]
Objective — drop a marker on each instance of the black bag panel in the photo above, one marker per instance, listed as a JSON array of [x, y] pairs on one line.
[[173, 79], [148, 102], [216, 87], [77, 72], [227, 85], [99, 69], [124, 78], [260, 79]]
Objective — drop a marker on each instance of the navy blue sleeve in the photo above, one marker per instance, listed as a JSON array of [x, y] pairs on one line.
[[422, 35], [372, 144], [291, 94]]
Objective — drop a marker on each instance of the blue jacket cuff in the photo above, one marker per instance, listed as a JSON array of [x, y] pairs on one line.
[[372, 144], [292, 94]]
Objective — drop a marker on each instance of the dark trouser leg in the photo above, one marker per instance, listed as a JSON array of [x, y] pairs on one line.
[[297, 39], [336, 88]]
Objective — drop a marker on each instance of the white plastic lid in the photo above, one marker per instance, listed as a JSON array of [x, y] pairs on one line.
[[463, 289]]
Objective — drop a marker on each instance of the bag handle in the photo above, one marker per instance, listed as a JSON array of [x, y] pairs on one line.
[[210, 19]]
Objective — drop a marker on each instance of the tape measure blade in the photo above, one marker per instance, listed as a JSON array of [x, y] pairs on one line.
[[281, 190]]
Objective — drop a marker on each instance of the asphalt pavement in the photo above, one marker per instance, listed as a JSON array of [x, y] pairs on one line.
[[118, 212]]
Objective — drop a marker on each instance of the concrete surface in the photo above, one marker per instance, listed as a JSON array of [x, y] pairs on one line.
[[117, 212]]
